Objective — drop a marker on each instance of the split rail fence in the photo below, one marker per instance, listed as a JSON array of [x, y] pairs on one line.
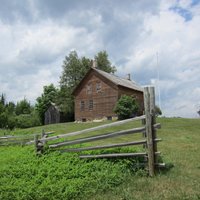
[[148, 129], [26, 139]]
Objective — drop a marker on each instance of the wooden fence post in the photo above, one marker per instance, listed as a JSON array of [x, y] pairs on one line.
[[154, 135], [149, 103], [44, 135], [39, 146], [36, 143]]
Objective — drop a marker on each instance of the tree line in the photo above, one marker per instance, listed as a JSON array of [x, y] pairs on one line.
[[20, 115], [24, 115]]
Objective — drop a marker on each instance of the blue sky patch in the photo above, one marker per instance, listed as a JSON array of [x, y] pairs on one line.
[[186, 14], [195, 2]]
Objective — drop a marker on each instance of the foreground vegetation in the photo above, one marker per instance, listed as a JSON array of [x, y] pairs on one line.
[[64, 176]]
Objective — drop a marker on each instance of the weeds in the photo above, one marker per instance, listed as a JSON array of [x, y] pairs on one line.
[[57, 176]]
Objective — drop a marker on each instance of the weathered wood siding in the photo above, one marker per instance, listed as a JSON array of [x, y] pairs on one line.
[[97, 90], [52, 115]]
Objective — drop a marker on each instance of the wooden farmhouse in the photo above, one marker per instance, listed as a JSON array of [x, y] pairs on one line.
[[98, 92]]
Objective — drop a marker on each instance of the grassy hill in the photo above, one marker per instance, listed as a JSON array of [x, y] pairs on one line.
[[23, 175]]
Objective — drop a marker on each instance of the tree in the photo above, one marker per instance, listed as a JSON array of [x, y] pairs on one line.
[[3, 99], [49, 95], [103, 63], [126, 107], [65, 102], [11, 115], [198, 111], [10, 106], [86, 65], [2, 107], [157, 111], [23, 107], [7, 113], [74, 69], [3, 120]]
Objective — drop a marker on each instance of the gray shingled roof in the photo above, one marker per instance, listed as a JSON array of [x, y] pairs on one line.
[[120, 81]]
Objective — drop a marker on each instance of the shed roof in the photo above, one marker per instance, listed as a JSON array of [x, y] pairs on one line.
[[55, 106]]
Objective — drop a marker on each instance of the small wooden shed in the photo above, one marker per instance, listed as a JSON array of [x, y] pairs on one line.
[[52, 114], [98, 92]]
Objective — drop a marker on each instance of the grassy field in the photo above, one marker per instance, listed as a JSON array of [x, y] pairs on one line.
[[64, 176]]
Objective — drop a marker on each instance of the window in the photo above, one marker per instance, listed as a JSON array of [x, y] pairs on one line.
[[82, 105], [89, 88], [90, 104], [98, 87]]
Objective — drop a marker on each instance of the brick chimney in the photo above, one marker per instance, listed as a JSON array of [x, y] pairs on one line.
[[128, 77], [94, 63]]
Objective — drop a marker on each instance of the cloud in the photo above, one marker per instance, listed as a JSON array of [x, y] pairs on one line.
[[36, 36], [29, 86], [30, 50]]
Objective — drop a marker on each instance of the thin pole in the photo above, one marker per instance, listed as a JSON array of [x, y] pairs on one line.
[[158, 81]]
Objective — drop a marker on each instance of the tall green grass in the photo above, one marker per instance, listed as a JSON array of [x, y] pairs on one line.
[[23, 175]]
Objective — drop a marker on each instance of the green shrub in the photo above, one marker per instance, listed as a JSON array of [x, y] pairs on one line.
[[11, 122], [27, 120], [126, 107], [157, 111], [3, 120]]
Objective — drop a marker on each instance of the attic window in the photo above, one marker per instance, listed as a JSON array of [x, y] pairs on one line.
[[98, 87], [89, 88]]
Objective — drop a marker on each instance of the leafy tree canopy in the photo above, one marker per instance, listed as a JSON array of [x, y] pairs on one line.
[[74, 69], [103, 62], [23, 107], [42, 103], [10, 108]]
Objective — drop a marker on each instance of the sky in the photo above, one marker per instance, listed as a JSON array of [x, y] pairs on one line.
[[157, 42]]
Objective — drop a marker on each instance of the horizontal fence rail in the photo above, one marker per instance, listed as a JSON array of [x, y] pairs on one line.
[[25, 139], [107, 146], [99, 137], [92, 129], [114, 155]]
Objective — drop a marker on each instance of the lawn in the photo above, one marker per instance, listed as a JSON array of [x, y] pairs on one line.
[[23, 175]]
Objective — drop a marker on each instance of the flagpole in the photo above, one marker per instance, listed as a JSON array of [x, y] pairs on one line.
[[158, 81]]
